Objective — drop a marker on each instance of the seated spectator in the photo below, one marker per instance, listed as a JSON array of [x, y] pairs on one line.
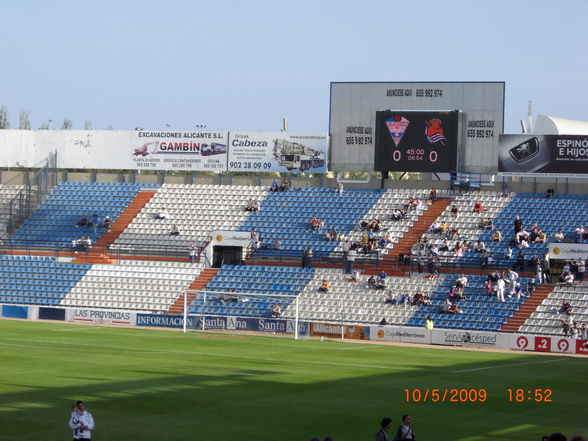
[[175, 231], [479, 246], [339, 188], [404, 298], [374, 226], [276, 311], [396, 215], [523, 244], [565, 307], [496, 236], [321, 224], [107, 223], [371, 282], [277, 244], [389, 299], [454, 211], [162, 214], [410, 205], [541, 237], [445, 307], [489, 287], [381, 283], [417, 299], [478, 207], [332, 234], [486, 223], [508, 252], [284, 186], [521, 235], [433, 194], [252, 205], [275, 186], [314, 223], [355, 277], [324, 286], [426, 300], [82, 244], [549, 193], [461, 282], [83, 222], [567, 279], [453, 309], [95, 222], [453, 233], [458, 250], [531, 286], [418, 203], [363, 224], [435, 227], [505, 191], [559, 236]]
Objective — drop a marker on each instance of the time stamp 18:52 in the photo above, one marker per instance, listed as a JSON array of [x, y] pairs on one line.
[[462, 395]]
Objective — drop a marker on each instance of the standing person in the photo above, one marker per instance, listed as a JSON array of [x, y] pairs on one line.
[[382, 434], [192, 252], [518, 225], [81, 422], [309, 257], [351, 255], [304, 256], [500, 289], [581, 270], [405, 431]]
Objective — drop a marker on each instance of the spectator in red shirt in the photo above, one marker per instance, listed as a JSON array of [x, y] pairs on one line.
[[478, 207]]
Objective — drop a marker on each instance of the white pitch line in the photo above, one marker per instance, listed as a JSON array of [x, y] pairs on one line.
[[508, 365], [85, 347]]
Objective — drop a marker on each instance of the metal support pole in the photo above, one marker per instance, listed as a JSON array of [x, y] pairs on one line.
[[203, 315], [185, 309], [296, 320]]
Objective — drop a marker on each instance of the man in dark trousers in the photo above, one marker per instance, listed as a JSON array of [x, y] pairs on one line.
[[382, 434], [518, 225], [404, 432]]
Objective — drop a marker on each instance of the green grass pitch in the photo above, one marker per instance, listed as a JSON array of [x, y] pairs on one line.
[[156, 385]]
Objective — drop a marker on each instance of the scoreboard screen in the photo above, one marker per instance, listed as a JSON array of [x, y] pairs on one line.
[[416, 141]]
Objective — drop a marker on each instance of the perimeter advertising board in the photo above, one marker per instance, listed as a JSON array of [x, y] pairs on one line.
[[353, 119], [277, 152], [543, 155], [568, 251], [416, 141]]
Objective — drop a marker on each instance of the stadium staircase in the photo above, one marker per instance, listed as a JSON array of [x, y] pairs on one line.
[[420, 227], [197, 285], [531, 303]]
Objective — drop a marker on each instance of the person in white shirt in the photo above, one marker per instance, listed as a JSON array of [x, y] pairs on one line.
[[81, 422], [162, 214], [500, 289], [462, 281], [512, 282]]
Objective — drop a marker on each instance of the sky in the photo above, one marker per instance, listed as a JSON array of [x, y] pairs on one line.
[[244, 65]]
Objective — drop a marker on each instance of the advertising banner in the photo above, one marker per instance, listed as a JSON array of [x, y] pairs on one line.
[[400, 334], [334, 331], [568, 251], [543, 155], [13, 311], [352, 119], [103, 317], [455, 337], [542, 343], [277, 152], [116, 150], [416, 141], [582, 347], [165, 321], [231, 238]]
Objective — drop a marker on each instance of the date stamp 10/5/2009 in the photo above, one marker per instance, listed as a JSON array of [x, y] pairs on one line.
[[463, 395]]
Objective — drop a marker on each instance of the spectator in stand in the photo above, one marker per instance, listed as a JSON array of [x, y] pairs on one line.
[[520, 261], [513, 278], [324, 286], [559, 236], [581, 265], [404, 298], [478, 207], [497, 236], [479, 247], [445, 307], [175, 231], [389, 299], [95, 222], [374, 226], [308, 257], [489, 287], [339, 188], [417, 299], [426, 300], [454, 211], [382, 280], [564, 308], [355, 276], [541, 237], [371, 282], [461, 282], [531, 286], [549, 193], [505, 191], [107, 223], [276, 311], [321, 224], [500, 285], [284, 186], [568, 279], [350, 261], [314, 223], [252, 205], [83, 222], [162, 214], [396, 215], [192, 252], [429, 323], [275, 186], [453, 309], [433, 194], [580, 233], [486, 223], [583, 332], [567, 323], [518, 224]]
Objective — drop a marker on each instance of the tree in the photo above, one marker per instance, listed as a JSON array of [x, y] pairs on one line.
[[67, 124], [88, 125], [24, 120], [4, 123]]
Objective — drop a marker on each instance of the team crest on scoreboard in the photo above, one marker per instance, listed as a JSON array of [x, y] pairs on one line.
[[434, 131], [397, 126]]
